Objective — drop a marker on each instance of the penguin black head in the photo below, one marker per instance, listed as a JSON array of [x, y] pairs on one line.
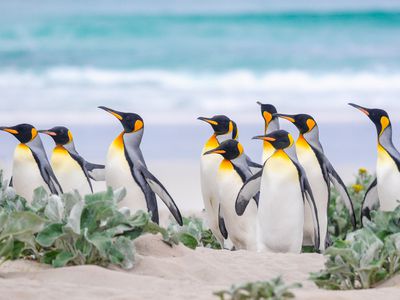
[[279, 139], [130, 121], [23, 132], [378, 116], [221, 125], [304, 123], [229, 149], [267, 112], [60, 134]]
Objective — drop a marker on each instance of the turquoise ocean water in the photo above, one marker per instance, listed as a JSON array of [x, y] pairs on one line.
[[171, 61]]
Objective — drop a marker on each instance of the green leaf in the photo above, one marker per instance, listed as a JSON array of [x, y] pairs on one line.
[[62, 259], [54, 210], [74, 218], [50, 256], [40, 198], [22, 222], [119, 194], [188, 240], [50, 234]]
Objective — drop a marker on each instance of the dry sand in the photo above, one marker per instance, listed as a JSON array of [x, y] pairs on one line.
[[162, 272]]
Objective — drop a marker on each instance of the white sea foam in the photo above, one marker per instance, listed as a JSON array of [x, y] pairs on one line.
[[169, 96]]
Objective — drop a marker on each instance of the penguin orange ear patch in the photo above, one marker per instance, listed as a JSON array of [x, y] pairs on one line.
[[310, 124], [384, 123], [240, 148], [70, 136], [267, 116], [34, 133], [138, 125]]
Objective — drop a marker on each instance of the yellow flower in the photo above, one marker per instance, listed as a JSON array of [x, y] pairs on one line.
[[357, 188], [362, 171]]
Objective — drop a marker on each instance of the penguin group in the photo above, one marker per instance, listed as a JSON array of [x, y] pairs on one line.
[[279, 205], [282, 205], [68, 171]]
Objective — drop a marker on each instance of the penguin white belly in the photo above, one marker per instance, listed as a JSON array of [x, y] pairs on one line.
[[320, 192], [118, 174], [68, 172], [26, 173], [241, 229], [281, 210], [388, 178], [208, 173]]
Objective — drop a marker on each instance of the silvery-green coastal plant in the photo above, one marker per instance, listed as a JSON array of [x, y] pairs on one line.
[[70, 229]]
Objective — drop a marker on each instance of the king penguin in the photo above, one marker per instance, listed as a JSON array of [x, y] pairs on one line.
[[72, 170], [125, 167], [233, 171], [385, 188], [320, 174], [284, 188], [224, 129], [271, 123], [31, 167]]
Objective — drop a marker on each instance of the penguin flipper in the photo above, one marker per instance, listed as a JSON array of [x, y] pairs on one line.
[[248, 191], [221, 224], [253, 164], [308, 195], [160, 190], [95, 171], [82, 163], [370, 200], [47, 173], [341, 188], [11, 184]]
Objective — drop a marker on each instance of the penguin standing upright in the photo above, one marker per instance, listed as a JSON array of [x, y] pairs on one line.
[[72, 170], [31, 167], [232, 173], [271, 123], [283, 187], [385, 189], [125, 167], [320, 174], [224, 129]]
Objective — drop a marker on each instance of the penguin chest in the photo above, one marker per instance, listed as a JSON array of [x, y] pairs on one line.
[[118, 174], [268, 150], [388, 178], [241, 229], [68, 172], [281, 208], [209, 165], [319, 187], [26, 173]]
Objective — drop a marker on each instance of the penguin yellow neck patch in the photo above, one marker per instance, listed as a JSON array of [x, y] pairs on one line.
[[226, 165], [302, 143], [118, 143], [212, 143]]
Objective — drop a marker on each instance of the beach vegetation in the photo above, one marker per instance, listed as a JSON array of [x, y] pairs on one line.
[[274, 289]]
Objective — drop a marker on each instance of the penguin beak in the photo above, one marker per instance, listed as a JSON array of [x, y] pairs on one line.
[[208, 120], [259, 103], [290, 118], [215, 151], [9, 130], [264, 138], [117, 114], [360, 108], [48, 132]]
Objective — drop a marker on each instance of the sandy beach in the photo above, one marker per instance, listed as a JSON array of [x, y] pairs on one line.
[[162, 272]]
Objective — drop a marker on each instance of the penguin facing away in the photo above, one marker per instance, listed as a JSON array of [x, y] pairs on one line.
[[385, 189], [31, 167], [271, 123], [320, 174], [125, 167], [71, 169], [283, 189], [233, 171]]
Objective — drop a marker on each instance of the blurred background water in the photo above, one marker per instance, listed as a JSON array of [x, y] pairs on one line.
[[171, 61]]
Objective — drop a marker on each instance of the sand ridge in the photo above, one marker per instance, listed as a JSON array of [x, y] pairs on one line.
[[162, 272]]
